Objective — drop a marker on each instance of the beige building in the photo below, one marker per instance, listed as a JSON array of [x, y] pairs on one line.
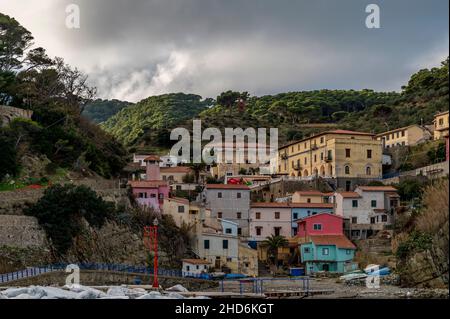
[[440, 125], [312, 196], [346, 157], [248, 260], [184, 212], [175, 174], [405, 136]]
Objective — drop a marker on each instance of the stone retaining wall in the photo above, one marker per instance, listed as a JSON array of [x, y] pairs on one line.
[[21, 232]]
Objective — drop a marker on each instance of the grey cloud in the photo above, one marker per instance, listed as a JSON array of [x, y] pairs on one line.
[[136, 48]]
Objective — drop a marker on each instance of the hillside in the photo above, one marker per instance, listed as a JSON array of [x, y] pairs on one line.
[[99, 111], [296, 114], [151, 119]]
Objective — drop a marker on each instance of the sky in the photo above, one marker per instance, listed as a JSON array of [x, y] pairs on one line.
[[132, 49]]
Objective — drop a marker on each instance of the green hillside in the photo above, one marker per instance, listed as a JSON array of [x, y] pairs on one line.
[[151, 119], [100, 110]]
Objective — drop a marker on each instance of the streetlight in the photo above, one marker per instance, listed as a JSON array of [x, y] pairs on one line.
[[152, 233]]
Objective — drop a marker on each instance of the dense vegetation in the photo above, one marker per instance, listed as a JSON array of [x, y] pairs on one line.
[[151, 119], [63, 210], [58, 95], [296, 114], [99, 111]]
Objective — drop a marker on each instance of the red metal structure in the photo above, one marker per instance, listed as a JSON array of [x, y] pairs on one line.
[[151, 232]]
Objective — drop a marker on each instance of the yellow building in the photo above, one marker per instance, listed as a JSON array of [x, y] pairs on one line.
[[184, 212], [343, 156], [405, 136], [311, 196], [248, 260], [440, 125]]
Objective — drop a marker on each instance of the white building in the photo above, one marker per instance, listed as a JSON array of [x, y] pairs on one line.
[[367, 210], [166, 161], [194, 267]]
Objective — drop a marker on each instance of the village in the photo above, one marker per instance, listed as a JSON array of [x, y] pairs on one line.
[[304, 213]]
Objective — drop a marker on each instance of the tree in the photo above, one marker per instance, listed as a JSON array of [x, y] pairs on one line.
[[231, 99], [197, 168], [14, 41], [274, 242], [63, 209]]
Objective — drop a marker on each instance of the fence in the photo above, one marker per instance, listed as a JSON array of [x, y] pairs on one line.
[[257, 285], [36, 271]]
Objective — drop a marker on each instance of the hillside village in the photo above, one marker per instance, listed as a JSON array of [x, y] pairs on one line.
[[357, 186]]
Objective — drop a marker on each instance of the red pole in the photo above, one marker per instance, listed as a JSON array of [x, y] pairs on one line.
[[155, 261]]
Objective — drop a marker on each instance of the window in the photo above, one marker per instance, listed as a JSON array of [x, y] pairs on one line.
[[347, 152], [229, 259], [178, 187], [306, 160], [238, 215], [317, 226], [347, 170], [330, 155], [321, 156], [258, 216], [306, 250], [348, 186], [369, 153], [239, 231], [295, 216], [153, 195], [277, 231], [348, 251], [188, 268], [403, 133], [372, 220], [368, 171], [258, 231], [355, 203], [228, 231], [325, 251], [206, 244], [239, 195], [384, 218], [225, 244], [441, 122], [198, 267], [321, 140], [308, 200], [315, 158], [219, 195], [181, 209], [373, 203], [277, 215], [219, 215]]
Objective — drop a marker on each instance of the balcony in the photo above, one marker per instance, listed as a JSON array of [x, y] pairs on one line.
[[328, 159], [284, 156], [314, 147], [297, 167]]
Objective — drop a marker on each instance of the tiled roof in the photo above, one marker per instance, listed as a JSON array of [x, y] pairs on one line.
[[227, 186], [339, 240], [378, 188], [147, 184], [349, 194], [176, 169], [269, 205], [311, 205], [311, 193], [196, 261], [178, 199], [153, 158], [318, 215]]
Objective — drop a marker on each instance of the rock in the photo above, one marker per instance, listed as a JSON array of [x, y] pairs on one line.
[[152, 295], [24, 296], [177, 288], [116, 297], [14, 292], [174, 295]]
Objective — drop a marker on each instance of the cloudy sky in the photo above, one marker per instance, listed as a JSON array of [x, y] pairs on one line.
[[132, 49]]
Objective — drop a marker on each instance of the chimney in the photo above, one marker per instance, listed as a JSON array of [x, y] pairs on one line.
[[153, 172]]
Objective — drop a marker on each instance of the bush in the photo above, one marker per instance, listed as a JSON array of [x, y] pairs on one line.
[[63, 209]]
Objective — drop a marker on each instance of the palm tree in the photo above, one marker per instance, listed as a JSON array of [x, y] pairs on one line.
[[197, 168], [274, 242]]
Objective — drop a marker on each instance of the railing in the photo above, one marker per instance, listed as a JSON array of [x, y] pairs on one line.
[[257, 286], [36, 271]]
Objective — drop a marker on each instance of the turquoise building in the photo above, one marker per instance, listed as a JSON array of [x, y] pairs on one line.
[[332, 253]]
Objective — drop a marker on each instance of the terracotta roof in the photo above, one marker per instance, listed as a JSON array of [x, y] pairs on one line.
[[153, 158], [341, 132], [349, 194], [227, 186], [389, 194], [177, 169], [133, 167], [315, 216], [378, 188], [196, 261], [311, 192], [311, 205], [339, 240], [178, 199], [147, 184], [400, 129], [269, 205]]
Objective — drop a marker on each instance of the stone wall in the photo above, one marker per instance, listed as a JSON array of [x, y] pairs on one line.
[[106, 278], [13, 203], [21, 232], [8, 113]]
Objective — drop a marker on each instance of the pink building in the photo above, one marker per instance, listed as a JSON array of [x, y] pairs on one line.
[[152, 191], [320, 224], [269, 219]]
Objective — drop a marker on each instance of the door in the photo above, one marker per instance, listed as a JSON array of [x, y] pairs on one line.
[[217, 264], [326, 267]]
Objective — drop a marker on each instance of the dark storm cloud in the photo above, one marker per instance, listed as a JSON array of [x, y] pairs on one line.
[[136, 48]]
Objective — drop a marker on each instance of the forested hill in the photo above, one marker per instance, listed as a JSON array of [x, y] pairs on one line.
[[99, 111], [295, 113], [151, 119]]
